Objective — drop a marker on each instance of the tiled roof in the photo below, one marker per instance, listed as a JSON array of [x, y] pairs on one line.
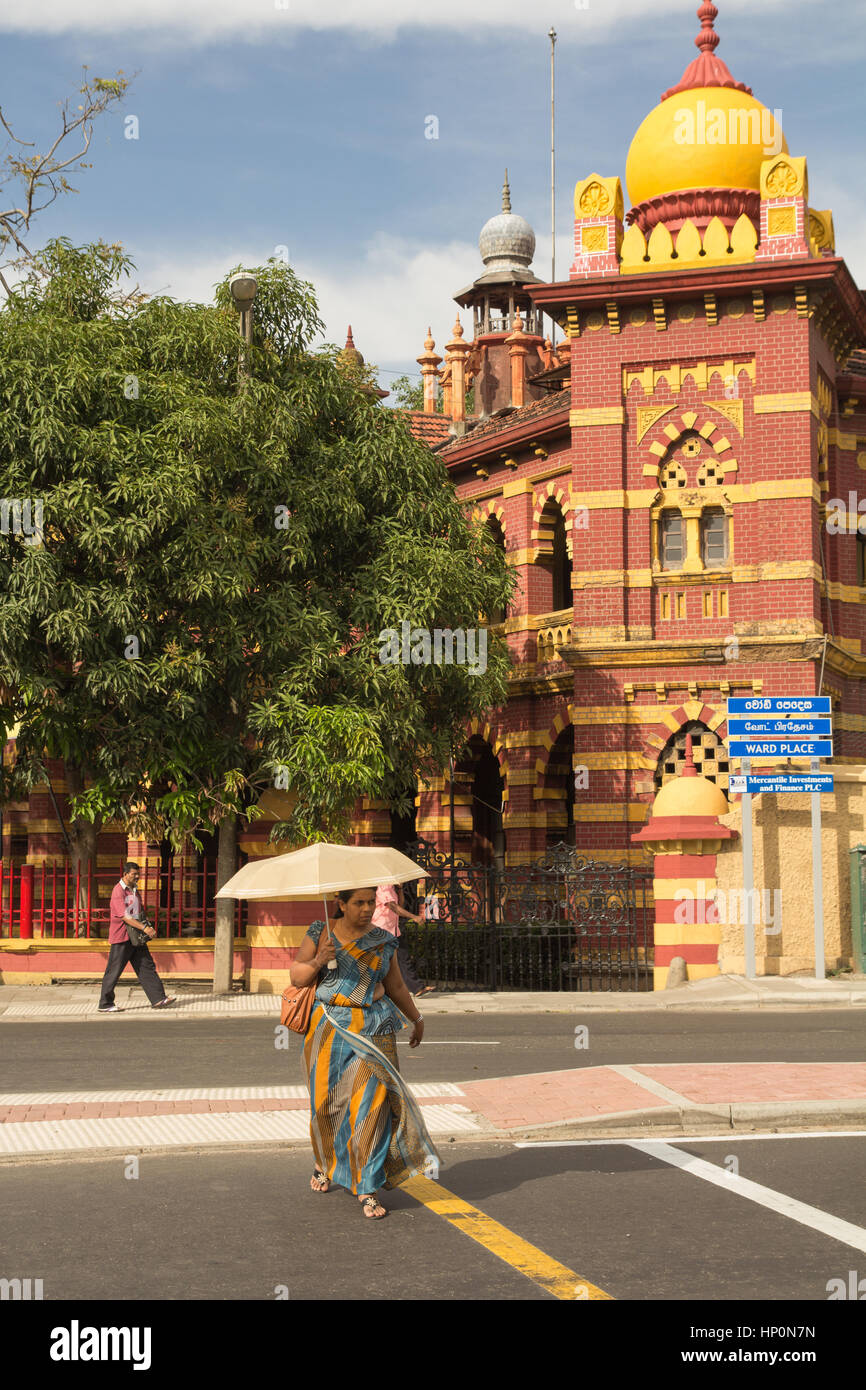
[[432, 429], [857, 362], [551, 405]]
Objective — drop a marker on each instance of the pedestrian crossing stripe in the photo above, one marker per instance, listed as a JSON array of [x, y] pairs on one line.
[[549, 1274]]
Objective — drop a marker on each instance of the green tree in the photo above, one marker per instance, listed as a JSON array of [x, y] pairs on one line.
[[30, 179], [409, 395], [218, 555]]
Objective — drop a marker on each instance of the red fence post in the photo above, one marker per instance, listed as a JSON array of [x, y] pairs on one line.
[[25, 910]]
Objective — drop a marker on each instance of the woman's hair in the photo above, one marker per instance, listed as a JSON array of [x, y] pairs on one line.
[[345, 896]]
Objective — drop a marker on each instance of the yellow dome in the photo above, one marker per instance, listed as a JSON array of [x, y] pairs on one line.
[[690, 796], [707, 137]]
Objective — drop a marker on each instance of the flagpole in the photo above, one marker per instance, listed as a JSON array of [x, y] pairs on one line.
[[552, 36]]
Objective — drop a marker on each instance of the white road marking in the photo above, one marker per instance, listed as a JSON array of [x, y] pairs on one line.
[[420, 1088], [178, 1130], [832, 1226], [728, 1138], [201, 1004], [814, 1217]]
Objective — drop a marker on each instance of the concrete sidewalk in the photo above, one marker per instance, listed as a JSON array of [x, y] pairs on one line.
[[664, 1100], [79, 1001]]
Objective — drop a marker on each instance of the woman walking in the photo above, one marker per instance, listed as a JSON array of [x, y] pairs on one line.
[[390, 907], [367, 1131]]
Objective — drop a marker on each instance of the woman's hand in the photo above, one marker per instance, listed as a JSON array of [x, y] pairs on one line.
[[417, 1033], [327, 951]]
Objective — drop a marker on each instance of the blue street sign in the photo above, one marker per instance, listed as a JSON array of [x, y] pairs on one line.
[[780, 748], [784, 782], [780, 728], [770, 706]]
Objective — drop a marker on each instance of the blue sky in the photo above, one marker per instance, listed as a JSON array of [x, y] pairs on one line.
[[264, 124]]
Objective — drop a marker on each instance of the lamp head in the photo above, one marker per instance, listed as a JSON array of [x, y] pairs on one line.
[[243, 290]]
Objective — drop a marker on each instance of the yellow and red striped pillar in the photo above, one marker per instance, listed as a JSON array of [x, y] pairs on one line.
[[685, 835]]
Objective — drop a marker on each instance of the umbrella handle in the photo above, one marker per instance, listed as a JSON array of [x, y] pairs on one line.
[[332, 964]]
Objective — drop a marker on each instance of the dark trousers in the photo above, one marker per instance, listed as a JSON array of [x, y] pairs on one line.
[[121, 954], [407, 969]]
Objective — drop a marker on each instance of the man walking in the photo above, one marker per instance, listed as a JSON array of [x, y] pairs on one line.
[[127, 910]]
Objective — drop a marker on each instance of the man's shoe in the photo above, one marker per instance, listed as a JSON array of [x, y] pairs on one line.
[[164, 1003], [109, 1009]]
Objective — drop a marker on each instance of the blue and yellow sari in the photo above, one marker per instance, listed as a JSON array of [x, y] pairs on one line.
[[366, 1129]]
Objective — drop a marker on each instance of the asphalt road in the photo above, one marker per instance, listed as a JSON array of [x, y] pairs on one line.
[[110, 1052], [237, 1226]]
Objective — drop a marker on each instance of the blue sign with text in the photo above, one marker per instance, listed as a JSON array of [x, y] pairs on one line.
[[793, 782], [780, 728], [774, 706], [780, 748]]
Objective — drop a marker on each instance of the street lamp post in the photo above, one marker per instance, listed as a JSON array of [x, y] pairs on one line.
[[243, 292], [242, 288]]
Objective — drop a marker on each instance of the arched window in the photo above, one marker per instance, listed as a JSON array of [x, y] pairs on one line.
[[714, 538], [562, 596], [496, 615], [671, 540]]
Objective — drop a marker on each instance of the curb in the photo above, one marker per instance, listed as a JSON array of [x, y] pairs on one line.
[[726, 1118], [580, 1005], [667, 1122]]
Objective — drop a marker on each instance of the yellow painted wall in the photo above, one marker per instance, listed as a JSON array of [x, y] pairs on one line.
[[782, 838]]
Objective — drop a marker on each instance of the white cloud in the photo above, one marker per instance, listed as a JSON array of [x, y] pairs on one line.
[[389, 294], [220, 19]]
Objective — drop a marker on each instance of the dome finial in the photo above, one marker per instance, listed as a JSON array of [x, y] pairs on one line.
[[506, 195], [708, 39], [689, 770], [707, 70]]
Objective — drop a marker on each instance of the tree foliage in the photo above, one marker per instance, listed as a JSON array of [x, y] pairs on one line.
[[200, 620]]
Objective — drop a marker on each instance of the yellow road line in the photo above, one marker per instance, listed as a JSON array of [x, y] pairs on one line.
[[527, 1259]]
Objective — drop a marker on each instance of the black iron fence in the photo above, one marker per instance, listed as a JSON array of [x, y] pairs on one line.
[[562, 923]]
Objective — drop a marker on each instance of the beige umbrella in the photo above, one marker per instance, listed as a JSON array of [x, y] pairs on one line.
[[318, 870]]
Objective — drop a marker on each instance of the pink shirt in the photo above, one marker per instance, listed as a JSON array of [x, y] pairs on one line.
[[124, 902], [384, 915]]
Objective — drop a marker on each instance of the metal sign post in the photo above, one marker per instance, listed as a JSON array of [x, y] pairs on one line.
[[781, 727], [817, 879], [748, 875]]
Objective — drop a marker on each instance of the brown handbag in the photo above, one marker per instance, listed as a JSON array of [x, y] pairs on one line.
[[298, 1006]]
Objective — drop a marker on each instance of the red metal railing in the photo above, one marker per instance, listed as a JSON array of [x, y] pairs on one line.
[[57, 900]]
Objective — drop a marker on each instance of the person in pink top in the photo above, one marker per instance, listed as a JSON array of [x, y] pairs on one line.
[[127, 908], [390, 907]]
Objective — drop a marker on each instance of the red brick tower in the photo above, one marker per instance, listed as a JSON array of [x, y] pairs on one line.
[[716, 404]]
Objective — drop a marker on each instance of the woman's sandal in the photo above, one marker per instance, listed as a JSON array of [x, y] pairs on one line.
[[319, 1177], [370, 1204]]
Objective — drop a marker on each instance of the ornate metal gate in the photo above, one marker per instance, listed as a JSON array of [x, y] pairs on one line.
[[562, 923]]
